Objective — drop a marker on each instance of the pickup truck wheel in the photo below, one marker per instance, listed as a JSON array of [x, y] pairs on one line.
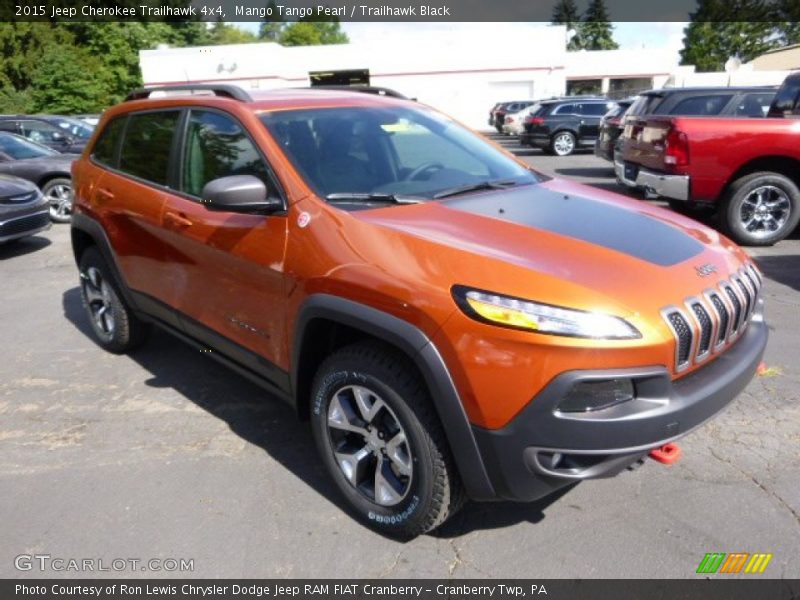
[[562, 143], [115, 326], [760, 209], [381, 441]]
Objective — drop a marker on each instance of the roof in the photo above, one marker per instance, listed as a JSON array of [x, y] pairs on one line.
[[717, 88], [267, 99]]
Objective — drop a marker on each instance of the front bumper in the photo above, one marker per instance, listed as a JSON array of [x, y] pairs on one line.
[[25, 222], [675, 187], [542, 449]]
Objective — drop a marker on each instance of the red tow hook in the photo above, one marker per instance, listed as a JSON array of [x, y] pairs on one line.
[[667, 454]]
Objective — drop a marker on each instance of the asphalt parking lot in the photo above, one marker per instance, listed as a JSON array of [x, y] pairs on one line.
[[165, 454]]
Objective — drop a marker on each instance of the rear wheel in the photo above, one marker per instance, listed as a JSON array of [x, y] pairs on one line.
[[381, 441], [115, 326], [760, 209], [562, 143]]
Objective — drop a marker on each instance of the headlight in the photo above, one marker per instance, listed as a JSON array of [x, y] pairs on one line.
[[542, 318]]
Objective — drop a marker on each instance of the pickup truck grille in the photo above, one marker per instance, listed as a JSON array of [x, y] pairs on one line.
[[710, 322]]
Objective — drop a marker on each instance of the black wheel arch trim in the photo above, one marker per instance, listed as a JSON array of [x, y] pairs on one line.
[[87, 225], [421, 350]]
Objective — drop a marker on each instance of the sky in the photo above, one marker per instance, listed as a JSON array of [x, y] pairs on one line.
[[629, 35]]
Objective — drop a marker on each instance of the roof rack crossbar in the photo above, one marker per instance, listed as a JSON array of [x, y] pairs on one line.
[[364, 89], [227, 91]]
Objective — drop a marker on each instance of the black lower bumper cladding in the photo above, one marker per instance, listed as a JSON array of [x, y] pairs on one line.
[[543, 449]]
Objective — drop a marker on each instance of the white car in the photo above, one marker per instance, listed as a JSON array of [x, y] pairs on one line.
[[514, 123]]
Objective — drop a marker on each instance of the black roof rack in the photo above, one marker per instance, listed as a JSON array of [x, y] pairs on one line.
[[364, 89], [227, 91]]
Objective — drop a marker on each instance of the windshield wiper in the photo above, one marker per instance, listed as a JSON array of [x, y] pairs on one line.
[[359, 197], [497, 184]]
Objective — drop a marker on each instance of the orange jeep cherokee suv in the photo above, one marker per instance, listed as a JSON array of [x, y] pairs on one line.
[[452, 323]]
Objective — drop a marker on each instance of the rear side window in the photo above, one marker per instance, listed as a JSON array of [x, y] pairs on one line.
[[787, 101], [146, 149], [216, 146], [594, 110], [617, 110], [700, 105], [9, 126], [645, 105], [753, 105], [105, 150], [566, 109]]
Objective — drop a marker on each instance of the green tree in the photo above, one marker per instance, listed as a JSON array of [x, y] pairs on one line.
[[788, 13], [68, 80], [223, 33], [270, 30], [713, 35], [565, 12], [313, 33], [596, 31], [22, 47]]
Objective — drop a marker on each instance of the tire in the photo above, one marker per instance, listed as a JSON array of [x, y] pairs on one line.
[[562, 143], [419, 487], [760, 209], [116, 328], [58, 192]]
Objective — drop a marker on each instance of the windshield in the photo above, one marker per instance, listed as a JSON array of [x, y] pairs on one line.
[[75, 128], [18, 148], [398, 151]]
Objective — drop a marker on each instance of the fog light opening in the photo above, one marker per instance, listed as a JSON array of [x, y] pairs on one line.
[[590, 396]]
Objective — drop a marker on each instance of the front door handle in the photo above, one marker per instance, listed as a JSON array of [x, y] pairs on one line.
[[177, 220], [103, 195]]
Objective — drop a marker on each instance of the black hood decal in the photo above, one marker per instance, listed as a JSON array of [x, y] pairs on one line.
[[592, 221]]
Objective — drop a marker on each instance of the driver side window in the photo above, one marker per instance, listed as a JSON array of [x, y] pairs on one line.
[[216, 146]]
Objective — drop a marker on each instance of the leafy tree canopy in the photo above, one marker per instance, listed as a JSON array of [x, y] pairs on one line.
[[721, 29]]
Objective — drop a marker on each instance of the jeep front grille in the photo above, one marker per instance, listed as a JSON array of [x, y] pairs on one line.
[[706, 328], [707, 324]]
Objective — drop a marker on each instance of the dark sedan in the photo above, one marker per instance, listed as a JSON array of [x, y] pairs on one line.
[[42, 131], [23, 210], [48, 169], [611, 127]]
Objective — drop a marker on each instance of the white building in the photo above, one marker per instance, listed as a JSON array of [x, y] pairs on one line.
[[463, 76]]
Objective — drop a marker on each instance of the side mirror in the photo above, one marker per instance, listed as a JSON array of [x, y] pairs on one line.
[[239, 194], [57, 136]]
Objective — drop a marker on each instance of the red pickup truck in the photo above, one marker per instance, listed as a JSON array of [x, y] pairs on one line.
[[747, 169]]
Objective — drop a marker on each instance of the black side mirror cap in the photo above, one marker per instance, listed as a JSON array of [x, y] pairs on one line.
[[240, 194]]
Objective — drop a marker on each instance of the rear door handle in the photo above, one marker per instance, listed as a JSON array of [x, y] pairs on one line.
[[177, 220]]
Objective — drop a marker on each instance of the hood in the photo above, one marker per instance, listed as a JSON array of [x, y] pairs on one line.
[[14, 186], [567, 244]]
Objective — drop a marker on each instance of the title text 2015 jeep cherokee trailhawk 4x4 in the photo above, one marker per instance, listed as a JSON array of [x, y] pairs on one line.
[[453, 324]]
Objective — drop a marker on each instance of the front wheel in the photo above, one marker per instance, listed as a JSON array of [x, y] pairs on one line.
[[760, 209], [58, 192], [115, 326], [381, 441]]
